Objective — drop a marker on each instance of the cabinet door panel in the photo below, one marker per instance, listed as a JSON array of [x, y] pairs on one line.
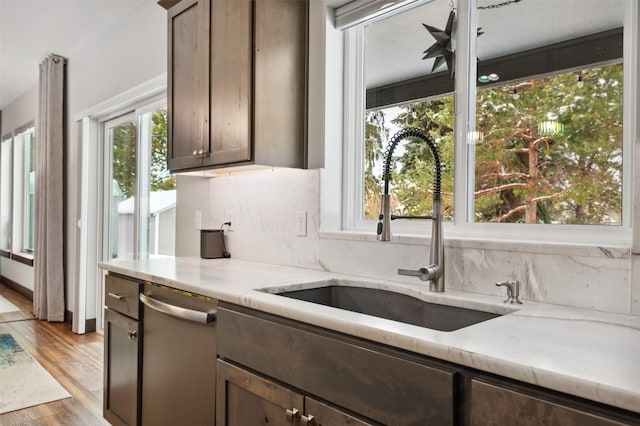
[[280, 82], [121, 369], [230, 82], [244, 399], [187, 90], [493, 405]]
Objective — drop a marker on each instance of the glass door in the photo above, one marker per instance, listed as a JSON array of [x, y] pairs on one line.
[[120, 136], [141, 190]]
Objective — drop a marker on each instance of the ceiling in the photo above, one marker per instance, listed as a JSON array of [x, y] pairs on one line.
[[32, 29], [395, 45]]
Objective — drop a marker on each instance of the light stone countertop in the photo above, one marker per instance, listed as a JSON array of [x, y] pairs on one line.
[[589, 354]]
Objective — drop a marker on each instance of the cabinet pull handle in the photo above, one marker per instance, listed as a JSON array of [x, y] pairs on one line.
[[132, 334], [116, 296], [292, 415], [308, 420], [178, 311]]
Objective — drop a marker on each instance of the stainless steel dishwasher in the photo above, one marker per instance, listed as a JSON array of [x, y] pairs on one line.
[[178, 357]]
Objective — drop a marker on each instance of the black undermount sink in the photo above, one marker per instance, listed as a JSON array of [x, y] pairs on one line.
[[393, 306]]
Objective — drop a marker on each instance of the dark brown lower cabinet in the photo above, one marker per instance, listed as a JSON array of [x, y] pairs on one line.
[[122, 369], [276, 371], [368, 382], [496, 405], [122, 351], [249, 399]]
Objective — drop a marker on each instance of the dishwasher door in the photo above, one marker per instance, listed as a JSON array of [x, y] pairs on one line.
[[178, 357]]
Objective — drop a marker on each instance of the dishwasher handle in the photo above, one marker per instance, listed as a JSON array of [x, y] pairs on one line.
[[179, 312]]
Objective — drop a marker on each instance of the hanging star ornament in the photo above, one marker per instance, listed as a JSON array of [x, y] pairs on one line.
[[442, 49]]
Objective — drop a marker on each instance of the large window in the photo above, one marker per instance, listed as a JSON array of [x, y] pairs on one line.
[[531, 132], [17, 182], [6, 190]]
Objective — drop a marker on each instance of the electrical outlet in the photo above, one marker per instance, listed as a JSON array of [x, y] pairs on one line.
[[198, 219], [228, 217], [301, 223]]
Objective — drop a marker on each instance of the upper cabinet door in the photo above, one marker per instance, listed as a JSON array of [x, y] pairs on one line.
[[237, 83], [230, 77], [187, 100], [280, 98]]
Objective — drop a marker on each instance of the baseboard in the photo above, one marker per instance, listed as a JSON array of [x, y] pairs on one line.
[[18, 288], [90, 324]]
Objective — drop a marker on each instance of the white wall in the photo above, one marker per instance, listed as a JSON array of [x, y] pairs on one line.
[[130, 53]]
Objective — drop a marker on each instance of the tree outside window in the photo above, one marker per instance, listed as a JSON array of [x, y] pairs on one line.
[[524, 172]]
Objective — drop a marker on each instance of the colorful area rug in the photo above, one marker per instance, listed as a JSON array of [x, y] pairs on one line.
[[23, 381]]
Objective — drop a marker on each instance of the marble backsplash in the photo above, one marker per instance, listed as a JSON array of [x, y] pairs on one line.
[[264, 208]]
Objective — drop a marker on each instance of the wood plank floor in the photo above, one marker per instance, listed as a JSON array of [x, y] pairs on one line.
[[74, 360]]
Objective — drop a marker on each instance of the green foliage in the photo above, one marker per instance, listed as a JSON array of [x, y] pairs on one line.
[[161, 178], [123, 159], [569, 178], [415, 175], [123, 146], [520, 175]]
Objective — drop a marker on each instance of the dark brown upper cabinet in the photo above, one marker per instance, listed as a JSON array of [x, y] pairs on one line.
[[237, 83]]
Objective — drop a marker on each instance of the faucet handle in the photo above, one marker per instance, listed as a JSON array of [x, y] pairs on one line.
[[425, 274], [513, 291]]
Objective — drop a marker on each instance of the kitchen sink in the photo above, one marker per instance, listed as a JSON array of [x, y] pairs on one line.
[[391, 305]]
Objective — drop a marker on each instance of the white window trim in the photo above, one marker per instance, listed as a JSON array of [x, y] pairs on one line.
[[87, 301], [460, 229], [25, 189], [8, 187]]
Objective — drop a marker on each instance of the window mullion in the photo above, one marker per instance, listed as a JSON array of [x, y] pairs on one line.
[[354, 133], [142, 184], [465, 103]]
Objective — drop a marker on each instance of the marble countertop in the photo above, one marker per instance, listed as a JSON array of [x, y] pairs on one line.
[[589, 354]]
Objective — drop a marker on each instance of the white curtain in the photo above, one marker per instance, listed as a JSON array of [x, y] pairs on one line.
[[48, 294]]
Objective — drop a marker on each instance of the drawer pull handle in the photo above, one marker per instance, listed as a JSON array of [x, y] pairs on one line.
[[117, 296], [292, 415], [178, 311], [308, 420], [132, 334]]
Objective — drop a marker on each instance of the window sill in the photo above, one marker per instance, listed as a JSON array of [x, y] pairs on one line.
[[611, 251], [24, 258]]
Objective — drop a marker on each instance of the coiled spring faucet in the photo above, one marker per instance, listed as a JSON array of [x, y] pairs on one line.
[[434, 273]]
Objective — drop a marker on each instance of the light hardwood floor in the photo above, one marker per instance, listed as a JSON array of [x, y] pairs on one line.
[[74, 360]]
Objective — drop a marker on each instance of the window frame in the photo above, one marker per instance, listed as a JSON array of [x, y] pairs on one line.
[[8, 187], [463, 226], [19, 219], [29, 141]]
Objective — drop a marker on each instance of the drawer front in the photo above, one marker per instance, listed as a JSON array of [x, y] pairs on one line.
[[122, 295], [377, 385], [494, 405]]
